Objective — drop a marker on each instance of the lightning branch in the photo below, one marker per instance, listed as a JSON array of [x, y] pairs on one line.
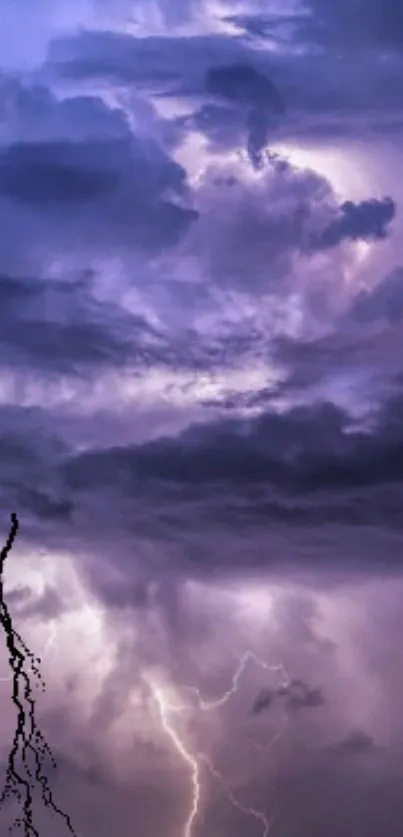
[[29, 751]]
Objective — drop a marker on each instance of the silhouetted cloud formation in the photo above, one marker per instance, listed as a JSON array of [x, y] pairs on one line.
[[357, 742], [304, 450], [246, 86], [262, 702], [366, 220], [299, 695]]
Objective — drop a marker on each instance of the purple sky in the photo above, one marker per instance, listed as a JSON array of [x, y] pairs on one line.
[[201, 408]]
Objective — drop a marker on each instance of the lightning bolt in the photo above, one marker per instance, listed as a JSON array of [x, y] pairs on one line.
[[192, 760], [28, 739]]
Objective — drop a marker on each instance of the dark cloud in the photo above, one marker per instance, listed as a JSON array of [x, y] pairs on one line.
[[244, 85], [263, 701], [53, 174], [31, 452], [362, 24], [299, 695], [32, 113], [308, 468], [347, 26], [365, 220], [266, 449], [79, 153], [44, 506], [256, 103], [128, 198], [157, 64], [323, 96], [356, 743], [233, 497], [306, 449], [60, 326]]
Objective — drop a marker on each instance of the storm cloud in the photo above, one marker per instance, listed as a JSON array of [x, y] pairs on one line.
[[201, 409]]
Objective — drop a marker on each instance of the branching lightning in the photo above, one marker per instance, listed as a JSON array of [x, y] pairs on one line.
[[49, 643], [207, 705], [30, 747], [29, 744], [252, 812], [194, 760]]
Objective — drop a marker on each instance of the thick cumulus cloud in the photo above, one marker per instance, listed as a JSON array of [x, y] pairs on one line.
[[80, 169], [286, 224], [71, 177]]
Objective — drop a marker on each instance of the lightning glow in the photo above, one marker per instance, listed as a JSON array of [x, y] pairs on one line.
[[194, 760]]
